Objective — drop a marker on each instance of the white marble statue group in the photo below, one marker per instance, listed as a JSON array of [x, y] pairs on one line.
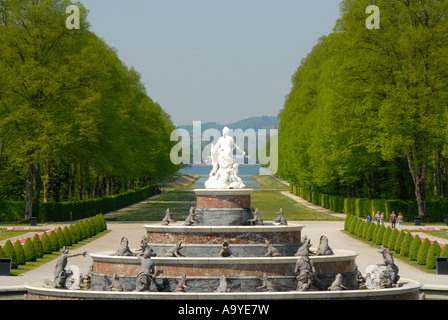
[[224, 174]]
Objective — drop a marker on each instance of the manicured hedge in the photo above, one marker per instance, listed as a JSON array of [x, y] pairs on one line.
[[75, 210], [437, 210]]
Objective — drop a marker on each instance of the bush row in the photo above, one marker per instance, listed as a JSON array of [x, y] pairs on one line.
[[54, 241], [437, 210], [74, 210], [401, 242]]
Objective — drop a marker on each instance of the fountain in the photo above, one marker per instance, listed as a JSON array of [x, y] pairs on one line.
[[224, 251]]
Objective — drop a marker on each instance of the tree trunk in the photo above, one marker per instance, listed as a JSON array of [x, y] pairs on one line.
[[29, 191], [419, 169]]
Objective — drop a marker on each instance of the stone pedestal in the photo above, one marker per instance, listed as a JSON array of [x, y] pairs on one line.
[[223, 207]]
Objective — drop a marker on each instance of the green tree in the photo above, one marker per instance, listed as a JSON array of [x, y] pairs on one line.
[[30, 251], [46, 243], [39, 248], [423, 252], [414, 248], [434, 251], [20, 253], [10, 253]]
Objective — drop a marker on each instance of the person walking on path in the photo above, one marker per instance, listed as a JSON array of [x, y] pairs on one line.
[[369, 218], [377, 217], [393, 219], [382, 219], [400, 221]]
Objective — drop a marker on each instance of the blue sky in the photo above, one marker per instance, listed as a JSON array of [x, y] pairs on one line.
[[210, 60]]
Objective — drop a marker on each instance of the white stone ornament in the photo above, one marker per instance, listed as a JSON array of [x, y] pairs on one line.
[[224, 174]]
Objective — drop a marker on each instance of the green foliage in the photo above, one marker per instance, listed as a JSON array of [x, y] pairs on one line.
[[405, 248], [444, 251], [61, 237], [54, 240], [67, 236], [399, 241], [380, 234], [74, 234], [423, 251], [20, 253], [82, 228], [415, 246], [365, 229], [393, 239], [46, 243], [433, 252], [2, 253], [38, 246], [30, 251], [8, 248], [386, 236], [370, 231]]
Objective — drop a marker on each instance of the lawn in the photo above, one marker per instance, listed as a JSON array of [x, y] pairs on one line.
[[269, 182]]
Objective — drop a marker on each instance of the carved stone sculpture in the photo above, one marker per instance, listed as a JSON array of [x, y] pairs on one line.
[[281, 217], [225, 250], [224, 174], [147, 270], [167, 219], [182, 284], [272, 252], [175, 251], [391, 267], [304, 247], [115, 285], [266, 284], [60, 273], [256, 221], [360, 279], [324, 249], [305, 269], [337, 284], [223, 287], [190, 219], [373, 277], [124, 250]]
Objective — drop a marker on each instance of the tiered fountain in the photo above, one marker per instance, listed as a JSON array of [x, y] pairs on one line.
[[223, 251]]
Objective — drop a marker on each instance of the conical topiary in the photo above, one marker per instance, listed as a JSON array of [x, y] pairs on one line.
[[11, 253], [30, 251], [423, 251], [434, 251], [369, 235], [82, 231], [92, 226], [103, 221], [20, 253], [444, 252], [380, 234], [405, 248], [393, 238], [347, 220], [386, 236], [399, 241], [2, 253], [46, 243], [38, 246], [67, 236], [55, 245], [364, 229], [415, 246], [61, 237], [73, 233], [87, 228]]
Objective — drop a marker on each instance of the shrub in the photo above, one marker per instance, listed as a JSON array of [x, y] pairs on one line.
[[386, 236], [405, 248], [365, 229], [38, 246], [399, 241], [347, 221], [2, 253], [55, 245], [61, 237], [30, 251], [434, 251], [415, 246], [423, 251], [20, 253], [393, 238], [74, 234], [87, 228], [369, 235], [380, 234], [444, 251], [10, 253], [358, 227], [46, 243], [67, 236]]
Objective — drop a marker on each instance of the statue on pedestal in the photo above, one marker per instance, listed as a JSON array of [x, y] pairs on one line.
[[224, 174]]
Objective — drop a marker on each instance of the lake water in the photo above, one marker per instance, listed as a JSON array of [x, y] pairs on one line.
[[245, 173]]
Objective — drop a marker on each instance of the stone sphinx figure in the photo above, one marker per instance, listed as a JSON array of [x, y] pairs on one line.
[[224, 174], [147, 270]]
